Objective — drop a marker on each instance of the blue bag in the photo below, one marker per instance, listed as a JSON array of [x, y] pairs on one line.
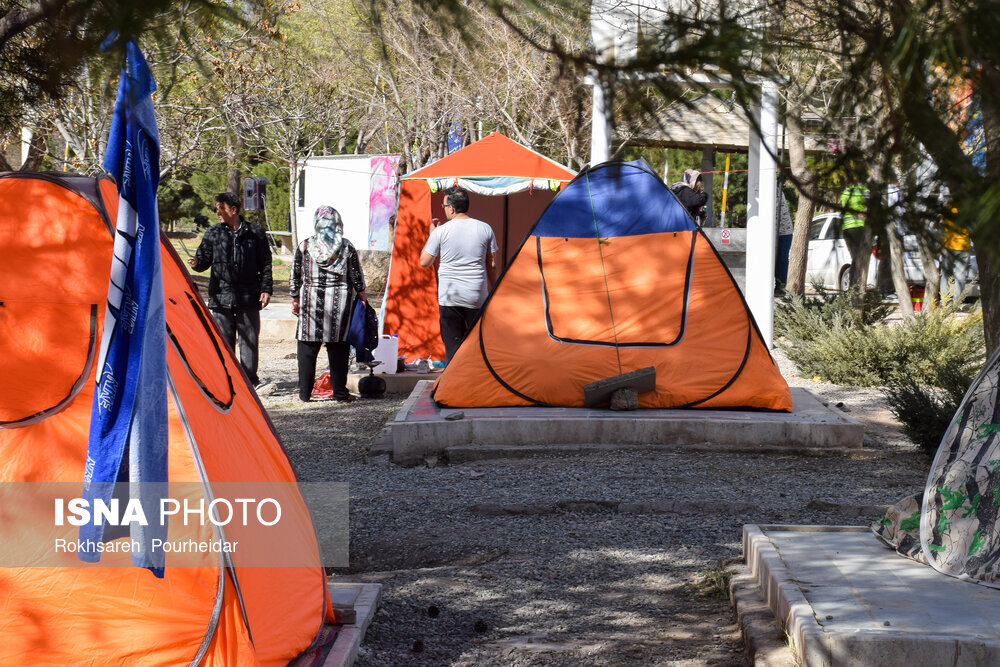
[[363, 331]]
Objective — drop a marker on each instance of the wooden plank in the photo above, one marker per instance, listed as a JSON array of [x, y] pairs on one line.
[[599, 391]]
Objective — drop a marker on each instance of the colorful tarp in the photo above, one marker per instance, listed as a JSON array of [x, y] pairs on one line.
[[382, 200], [615, 277], [954, 526]]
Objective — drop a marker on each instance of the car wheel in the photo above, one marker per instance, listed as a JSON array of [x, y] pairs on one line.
[[844, 280]]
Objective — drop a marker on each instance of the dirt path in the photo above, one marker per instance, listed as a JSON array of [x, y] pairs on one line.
[[606, 559]]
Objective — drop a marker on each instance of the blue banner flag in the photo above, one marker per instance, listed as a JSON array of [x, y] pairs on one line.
[[128, 425], [456, 138]]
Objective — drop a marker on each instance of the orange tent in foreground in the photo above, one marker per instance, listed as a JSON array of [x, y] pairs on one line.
[[509, 186], [55, 258], [615, 277]]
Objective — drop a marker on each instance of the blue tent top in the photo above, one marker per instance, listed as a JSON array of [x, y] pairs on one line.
[[592, 205]]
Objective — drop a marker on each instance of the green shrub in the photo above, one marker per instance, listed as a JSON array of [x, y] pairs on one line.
[[842, 339], [926, 409], [808, 317]]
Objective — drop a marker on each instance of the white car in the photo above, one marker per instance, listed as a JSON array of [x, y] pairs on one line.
[[829, 261]]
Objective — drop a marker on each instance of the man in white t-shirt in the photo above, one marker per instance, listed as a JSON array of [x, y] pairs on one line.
[[468, 252]]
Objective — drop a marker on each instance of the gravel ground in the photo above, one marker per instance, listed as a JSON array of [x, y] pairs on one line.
[[599, 559]]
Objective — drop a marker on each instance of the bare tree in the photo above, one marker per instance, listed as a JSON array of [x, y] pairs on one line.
[[45, 43], [73, 128], [890, 94], [413, 78], [804, 78]]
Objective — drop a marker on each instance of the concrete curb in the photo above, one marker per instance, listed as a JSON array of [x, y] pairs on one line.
[[765, 643], [347, 643], [460, 454], [784, 598], [866, 605]]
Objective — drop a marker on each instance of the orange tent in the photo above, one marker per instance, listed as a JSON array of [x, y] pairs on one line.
[[55, 259], [509, 186], [615, 277]]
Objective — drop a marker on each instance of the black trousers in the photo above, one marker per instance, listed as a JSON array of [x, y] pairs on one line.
[[336, 353], [455, 324], [246, 323]]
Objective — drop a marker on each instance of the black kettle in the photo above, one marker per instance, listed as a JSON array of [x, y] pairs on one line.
[[371, 386]]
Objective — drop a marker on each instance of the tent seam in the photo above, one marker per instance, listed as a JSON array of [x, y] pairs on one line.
[[604, 273], [221, 406], [222, 565]]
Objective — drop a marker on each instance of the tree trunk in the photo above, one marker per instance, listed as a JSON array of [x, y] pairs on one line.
[[932, 276], [989, 289], [893, 241], [364, 136], [233, 181], [293, 194], [986, 254], [862, 260], [805, 184], [232, 168], [966, 185], [36, 152], [897, 271]]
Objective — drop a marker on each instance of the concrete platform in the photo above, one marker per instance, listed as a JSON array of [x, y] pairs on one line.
[[277, 322], [845, 599], [421, 429], [362, 598]]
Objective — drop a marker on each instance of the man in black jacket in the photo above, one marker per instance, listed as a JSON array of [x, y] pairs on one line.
[[240, 283]]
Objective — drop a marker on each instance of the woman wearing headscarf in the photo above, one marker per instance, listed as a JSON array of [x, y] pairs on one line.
[[325, 281], [689, 191]]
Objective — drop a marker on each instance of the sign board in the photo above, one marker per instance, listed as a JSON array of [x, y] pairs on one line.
[[363, 189]]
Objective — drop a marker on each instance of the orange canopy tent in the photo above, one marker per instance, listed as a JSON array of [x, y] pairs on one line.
[[509, 186], [615, 277], [55, 259]]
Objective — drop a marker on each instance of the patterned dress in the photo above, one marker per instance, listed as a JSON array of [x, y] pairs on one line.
[[326, 293]]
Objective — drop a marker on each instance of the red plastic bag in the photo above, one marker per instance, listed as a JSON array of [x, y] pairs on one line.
[[323, 387]]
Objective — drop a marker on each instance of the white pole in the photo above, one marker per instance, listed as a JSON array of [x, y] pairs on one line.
[[708, 182], [761, 212], [603, 35], [26, 135], [600, 132]]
